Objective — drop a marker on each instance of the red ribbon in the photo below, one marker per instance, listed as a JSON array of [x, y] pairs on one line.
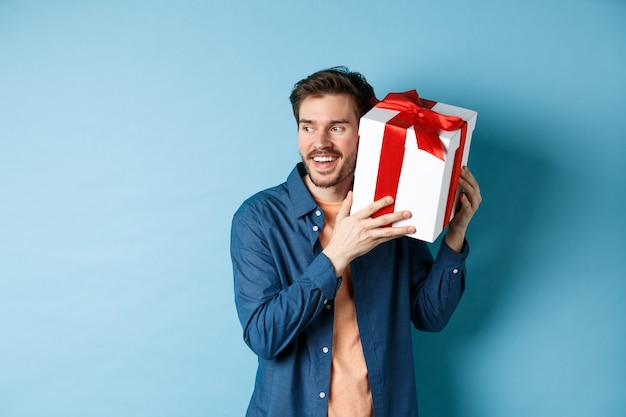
[[427, 124]]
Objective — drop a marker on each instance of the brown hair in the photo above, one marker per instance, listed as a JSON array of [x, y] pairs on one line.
[[336, 80]]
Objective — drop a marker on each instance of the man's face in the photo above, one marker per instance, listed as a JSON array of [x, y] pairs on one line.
[[328, 139]]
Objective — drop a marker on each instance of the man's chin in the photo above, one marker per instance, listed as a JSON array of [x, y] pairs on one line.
[[323, 182]]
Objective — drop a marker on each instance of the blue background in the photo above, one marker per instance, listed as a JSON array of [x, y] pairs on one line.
[[130, 131]]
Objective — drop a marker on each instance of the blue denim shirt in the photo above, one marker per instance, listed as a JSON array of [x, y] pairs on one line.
[[284, 292]]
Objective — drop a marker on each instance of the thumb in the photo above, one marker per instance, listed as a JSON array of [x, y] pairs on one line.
[[346, 205]]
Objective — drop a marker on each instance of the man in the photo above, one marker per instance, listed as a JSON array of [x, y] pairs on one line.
[[326, 298]]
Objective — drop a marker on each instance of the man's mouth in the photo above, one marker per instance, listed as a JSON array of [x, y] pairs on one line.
[[324, 159]]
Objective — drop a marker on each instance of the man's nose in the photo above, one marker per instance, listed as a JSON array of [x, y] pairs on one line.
[[322, 139]]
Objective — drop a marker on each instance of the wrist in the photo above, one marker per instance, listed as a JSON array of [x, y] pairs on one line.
[[455, 239], [338, 262]]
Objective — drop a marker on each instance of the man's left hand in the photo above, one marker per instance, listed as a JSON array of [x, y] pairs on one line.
[[470, 200]]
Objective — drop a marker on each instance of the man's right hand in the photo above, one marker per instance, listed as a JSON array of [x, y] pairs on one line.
[[357, 234]]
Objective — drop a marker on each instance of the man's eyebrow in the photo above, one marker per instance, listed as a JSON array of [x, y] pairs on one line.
[[332, 122]]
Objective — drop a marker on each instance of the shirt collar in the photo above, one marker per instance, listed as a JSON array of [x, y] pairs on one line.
[[301, 199]]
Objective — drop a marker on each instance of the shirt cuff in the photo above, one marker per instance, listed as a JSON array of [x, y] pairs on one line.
[[449, 259], [322, 273]]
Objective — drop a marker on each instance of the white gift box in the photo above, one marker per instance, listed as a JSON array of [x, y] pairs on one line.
[[425, 180]]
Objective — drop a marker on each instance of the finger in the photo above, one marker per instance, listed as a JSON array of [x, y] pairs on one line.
[[372, 208], [467, 174], [463, 214], [384, 234], [346, 205], [468, 178], [470, 188], [470, 199], [390, 218], [464, 199]]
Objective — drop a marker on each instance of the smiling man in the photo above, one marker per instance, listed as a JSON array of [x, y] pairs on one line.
[[328, 138], [326, 299]]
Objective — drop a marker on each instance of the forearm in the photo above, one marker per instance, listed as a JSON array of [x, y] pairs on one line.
[[455, 238], [274, 313], [436, 298]]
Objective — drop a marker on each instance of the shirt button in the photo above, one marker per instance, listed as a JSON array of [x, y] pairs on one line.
[[318, 213], [455, 271], [328, 306], [315, 228], [322, 394], [325, 349]]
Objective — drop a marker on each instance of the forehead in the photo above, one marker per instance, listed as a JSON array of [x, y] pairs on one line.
[[328, 107]]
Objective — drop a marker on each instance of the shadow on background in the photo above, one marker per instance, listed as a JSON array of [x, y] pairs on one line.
[[513, 186]]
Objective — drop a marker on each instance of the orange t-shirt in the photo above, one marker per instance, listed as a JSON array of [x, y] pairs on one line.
[[349, 385]]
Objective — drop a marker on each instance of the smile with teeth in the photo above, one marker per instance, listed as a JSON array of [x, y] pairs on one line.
[[324, 158]]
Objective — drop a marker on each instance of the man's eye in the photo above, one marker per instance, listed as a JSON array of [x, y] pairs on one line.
[[336, 129], [307, 129]]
